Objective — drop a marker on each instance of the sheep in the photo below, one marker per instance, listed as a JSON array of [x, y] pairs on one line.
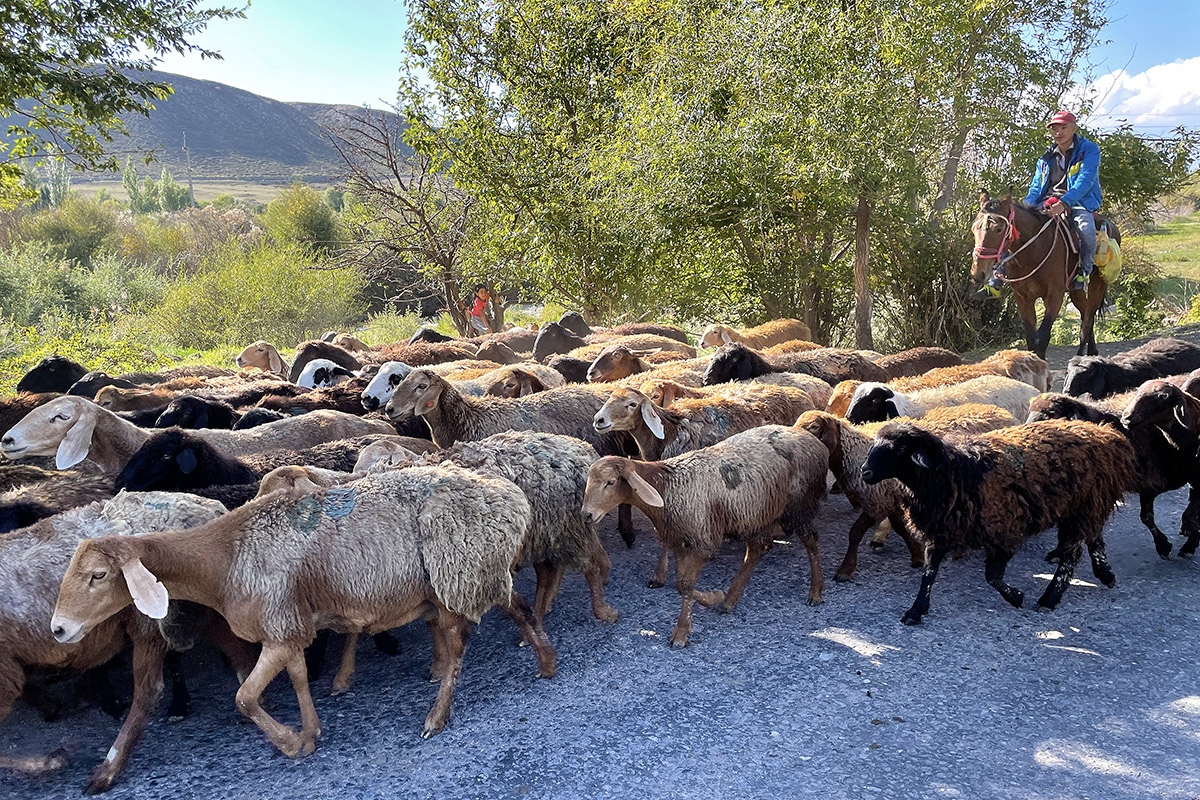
[[195, 413], [638, 341], [35, 559], [555, 339], [258, 416], [848, 447], [25, 505], [14, 476], [791, 346], [574, 323], [995, 490], [1166, 456], [1098, 376], [654, 329], [264, 356], [431, 335], [453, 416], [918, 361], [93, 382], [618, 361], [741, 487], [738, 362], [13, 409], [815, 388], [426, 354], [573, 370], [346, 398], [664, 392], [519, 340], [72, 429], [875, 402], [249, 393], [350, 343], [138, 398], [1161, 406], [774, 332], [311, 351], [52, 374], [322, 373], [174, 459], [521, 380], [498, 352], [432, 542], [380, 388]]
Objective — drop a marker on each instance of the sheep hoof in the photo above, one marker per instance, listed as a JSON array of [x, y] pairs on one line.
[[656, 582], [1044, 609], [815, 601], [432, 729], [101, 781], [840, 578], [339, 688], [608, 614], [876, 545], [679, 638], [1016, 598], [1164, 552], [910, 618]]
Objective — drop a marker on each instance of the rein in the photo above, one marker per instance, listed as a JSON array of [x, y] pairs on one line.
[[1012, 235]]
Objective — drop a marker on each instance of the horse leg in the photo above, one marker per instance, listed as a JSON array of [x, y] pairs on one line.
[[1028, 314], [1053, 301], [1088, 305]]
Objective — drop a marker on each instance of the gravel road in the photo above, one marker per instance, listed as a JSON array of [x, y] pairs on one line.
[[1099, 699]]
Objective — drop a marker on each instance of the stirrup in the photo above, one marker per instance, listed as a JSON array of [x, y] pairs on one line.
[[1079, 283], [988, 292]]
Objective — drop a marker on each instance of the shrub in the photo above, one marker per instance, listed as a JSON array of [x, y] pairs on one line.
[[268, 291], [300, 216], [181, 240], [390, 326], [75, 231]]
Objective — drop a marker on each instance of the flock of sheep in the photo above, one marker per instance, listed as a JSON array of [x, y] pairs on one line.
[[358, 489]]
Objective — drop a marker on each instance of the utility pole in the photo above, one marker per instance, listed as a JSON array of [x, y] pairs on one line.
[[188, 154]]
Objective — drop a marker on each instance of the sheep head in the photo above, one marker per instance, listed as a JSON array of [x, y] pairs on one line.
[[262, 355], [515, 382], [105, 575], [382, 455], [625, 410], [62, 428], [872, 402], [416, 395], [825, 426], [167, 461], [1161, 403], [902, 451], [381, 387], [617, 361], [716, 335], [661, 392], [1061, 406], [1085, 376], [612, 481], [840, 397]]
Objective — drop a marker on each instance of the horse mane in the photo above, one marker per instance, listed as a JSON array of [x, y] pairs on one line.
[[993, 207]]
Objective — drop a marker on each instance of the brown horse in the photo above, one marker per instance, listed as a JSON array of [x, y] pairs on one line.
[[1039, 263]]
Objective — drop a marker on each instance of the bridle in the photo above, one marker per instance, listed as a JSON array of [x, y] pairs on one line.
[[1012, 235]]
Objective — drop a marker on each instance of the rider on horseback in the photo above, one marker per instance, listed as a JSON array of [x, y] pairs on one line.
[[1066, 181]]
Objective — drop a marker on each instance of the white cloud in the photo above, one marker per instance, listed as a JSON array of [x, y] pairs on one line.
[[1165, 96]]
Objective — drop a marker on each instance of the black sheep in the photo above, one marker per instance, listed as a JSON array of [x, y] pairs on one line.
[[426, 334], [1100, 376], [51, 374], [143, 418], [737, 362], [94, 381], [175, 460], [573, 321], [195, 413], [1166, 456], [554, 338], [573, 370], [258, 416], [995, 490]]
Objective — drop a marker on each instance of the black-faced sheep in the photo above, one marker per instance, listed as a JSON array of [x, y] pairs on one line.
[[737, 362], [555, 339], [876, 402], [311, 351], [194, 413], [51, 374], [995, 490], [740, 488], [258, 416], [1099, 376], [573, 370], [431, 335]]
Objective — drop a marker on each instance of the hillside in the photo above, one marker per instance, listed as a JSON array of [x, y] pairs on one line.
[[234, 135]]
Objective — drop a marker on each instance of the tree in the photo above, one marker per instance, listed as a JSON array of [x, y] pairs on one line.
[[299, 215], [71, 69]]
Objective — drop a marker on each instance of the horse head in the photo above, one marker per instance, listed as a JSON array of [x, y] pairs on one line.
[[994, 231]]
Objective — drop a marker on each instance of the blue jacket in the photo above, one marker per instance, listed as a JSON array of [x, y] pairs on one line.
[[1083, 177]]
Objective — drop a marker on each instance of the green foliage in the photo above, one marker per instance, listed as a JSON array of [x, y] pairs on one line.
[[75, 67], [390, 326], [334, 198], [1134, 173], [300, 216], [76, 230], [95, 340], [149, 195], [180, 240], [1137, 311], [269, 291], [58, 180]]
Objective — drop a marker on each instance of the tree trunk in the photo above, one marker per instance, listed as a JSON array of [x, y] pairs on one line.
[[950, 173], [862, 283], [450, 295], [493, 312]]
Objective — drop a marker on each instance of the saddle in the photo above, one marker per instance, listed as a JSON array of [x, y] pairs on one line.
[[1072, 232]]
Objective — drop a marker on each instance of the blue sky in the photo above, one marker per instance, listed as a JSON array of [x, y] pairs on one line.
[[349, 52]]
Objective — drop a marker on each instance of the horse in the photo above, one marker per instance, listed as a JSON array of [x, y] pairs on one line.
[[1038, 262]]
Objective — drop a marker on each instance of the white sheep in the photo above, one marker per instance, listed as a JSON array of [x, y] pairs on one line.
[[875, 402], [322, 373]]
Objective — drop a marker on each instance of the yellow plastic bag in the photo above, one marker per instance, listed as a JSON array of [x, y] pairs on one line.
[[1108, 256]]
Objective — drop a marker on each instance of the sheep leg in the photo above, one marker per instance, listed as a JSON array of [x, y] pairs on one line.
[[596, 574], [180, 698], [546, 584], [1161, 543], [916, 545], [1071, 553], [993, 570], [454, 629], [341, 681], [1103, 571], [148, 654], [12, 683], [754, 552], [520, 612], [273, 659], [437, 670], [1190, 524], [658, 578], [625, 523], [816, 578], [688, 564], [920, 607], [850, 563], [310, 723]]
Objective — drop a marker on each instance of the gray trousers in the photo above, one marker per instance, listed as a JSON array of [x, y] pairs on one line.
[[1087, 239]]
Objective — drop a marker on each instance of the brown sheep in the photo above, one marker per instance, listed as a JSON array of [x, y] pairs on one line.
[[918, 361], [791, 346], [774, 332], [638, 341]]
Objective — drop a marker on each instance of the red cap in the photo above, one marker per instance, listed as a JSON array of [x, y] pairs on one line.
[[1061, 117]]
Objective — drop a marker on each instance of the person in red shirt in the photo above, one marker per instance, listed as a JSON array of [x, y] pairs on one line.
[[477, 319]]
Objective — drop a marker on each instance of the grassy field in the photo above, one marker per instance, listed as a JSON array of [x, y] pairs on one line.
[[205, 190], [1176, 247]]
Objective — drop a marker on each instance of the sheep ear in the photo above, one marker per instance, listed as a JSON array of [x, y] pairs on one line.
[[187, 461], [725, 337], [652, 419], [275, 362], [920, 460], [1183, 414], [149, 595], [529, 385], [75, 445], [648, 494]]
